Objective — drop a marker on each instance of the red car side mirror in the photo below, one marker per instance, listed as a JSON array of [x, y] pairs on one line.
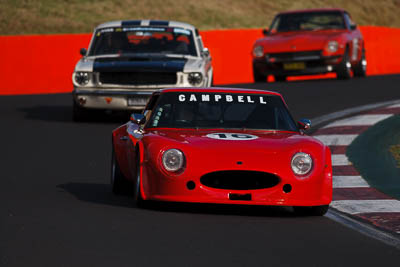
[[138, 119]]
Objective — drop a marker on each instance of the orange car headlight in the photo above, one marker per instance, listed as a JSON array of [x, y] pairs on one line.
[[332, 46], [258, 51]]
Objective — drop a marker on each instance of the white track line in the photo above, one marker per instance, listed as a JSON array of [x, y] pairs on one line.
[[366, 206], [360, 120], [394, 106], [340, 160], [349, 182], [336, 139]]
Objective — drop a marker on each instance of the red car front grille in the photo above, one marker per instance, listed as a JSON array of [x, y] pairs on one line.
[[295, 56], [239, 180], [138, 78]]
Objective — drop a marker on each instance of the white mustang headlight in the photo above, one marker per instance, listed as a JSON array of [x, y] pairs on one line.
[[195, 78], [301, 163], [82, 78], [173, 160]]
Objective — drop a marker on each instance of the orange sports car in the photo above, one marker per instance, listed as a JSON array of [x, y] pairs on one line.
[[312, 41]]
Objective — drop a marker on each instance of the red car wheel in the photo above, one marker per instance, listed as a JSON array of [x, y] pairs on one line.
[[258, 77], [119, 184], [137, 198], [344, 71], [360, 70]]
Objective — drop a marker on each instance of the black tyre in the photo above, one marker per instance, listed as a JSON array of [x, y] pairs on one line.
[[344, 70], [311, 211], [360, 70], [259, 77], [137, 197], [280, 78], [119, 184]]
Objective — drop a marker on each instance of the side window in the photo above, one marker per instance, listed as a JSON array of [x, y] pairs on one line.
[[274, 26], [200, 44], [150, 106], [152, 102], [351, 24], [283, 119]]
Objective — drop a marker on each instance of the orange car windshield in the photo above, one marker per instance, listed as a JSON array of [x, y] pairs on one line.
[[307, 21]]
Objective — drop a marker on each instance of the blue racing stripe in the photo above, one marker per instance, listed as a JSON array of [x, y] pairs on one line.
[[159, 23], [131, 23]]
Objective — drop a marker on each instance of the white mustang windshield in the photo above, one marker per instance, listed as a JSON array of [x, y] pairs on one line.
[[134, 40]]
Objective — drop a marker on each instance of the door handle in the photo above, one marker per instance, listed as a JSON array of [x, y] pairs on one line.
[[124, 138]]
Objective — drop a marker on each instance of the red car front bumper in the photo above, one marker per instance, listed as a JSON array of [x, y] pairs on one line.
[[315, 190], [318, 65]]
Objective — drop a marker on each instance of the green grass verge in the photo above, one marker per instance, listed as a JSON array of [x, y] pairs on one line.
[[395, 150], [81, 16], [376, 155]]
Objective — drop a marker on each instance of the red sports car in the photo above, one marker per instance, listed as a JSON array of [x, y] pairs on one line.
[[215, 145], [312, 41]]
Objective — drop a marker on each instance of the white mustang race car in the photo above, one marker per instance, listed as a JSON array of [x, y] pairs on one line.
[[128, 60]]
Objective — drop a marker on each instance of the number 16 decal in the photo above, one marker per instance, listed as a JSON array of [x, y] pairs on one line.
[[232, 136]]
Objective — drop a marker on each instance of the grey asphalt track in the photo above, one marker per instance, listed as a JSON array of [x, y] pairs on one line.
[[56, 208]]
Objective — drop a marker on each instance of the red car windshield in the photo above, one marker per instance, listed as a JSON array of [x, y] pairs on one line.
[[307, 21], [221, 110], [164, 40]]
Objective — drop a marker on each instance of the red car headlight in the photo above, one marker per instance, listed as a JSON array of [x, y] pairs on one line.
[[173, 160], [258, 51], [332, 46], [301, 163]]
